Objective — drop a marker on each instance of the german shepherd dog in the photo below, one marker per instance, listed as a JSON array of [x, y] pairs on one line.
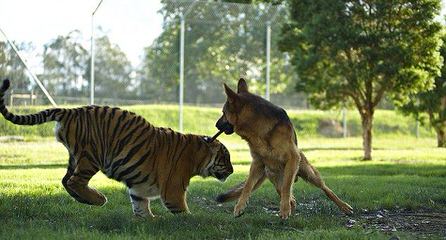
[[273, 146]]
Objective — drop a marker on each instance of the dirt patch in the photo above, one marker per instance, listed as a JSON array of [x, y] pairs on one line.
[[423, 223]]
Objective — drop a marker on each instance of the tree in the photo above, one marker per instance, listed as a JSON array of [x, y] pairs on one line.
[[355, 52], [112, 71], [429, 107], [12, 67], [64, 63], [222, 41]]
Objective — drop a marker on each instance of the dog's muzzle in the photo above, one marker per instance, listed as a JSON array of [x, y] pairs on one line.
[[225, 126]]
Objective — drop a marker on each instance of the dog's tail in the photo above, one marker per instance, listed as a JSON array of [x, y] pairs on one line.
[[232, 194], [235, 192]]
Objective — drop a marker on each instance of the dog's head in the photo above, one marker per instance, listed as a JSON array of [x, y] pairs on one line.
[[233, 108]]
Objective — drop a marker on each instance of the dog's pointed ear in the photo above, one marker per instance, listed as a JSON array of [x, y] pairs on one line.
[[242, 86], [232, 96]]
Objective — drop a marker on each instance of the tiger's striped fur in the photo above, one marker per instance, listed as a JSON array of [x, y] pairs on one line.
[[152, 161]]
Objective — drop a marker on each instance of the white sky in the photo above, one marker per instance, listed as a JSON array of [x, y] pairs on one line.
[[132, 24]]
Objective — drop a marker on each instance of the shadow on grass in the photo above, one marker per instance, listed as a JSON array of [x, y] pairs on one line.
[[30, 166], [309, 149], [424, 170], [57, 212]]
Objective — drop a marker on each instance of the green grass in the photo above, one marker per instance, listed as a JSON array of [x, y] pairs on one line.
[[407, 173], [201, 120]]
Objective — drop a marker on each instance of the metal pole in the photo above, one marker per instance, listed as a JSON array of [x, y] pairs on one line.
[[344, 122], [181, 90], [92, 62], [417, 129], [268, 59], [92, 55], [33, 76]]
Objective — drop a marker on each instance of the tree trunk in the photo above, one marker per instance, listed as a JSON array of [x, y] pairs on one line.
[[367, 124], [441, 137]]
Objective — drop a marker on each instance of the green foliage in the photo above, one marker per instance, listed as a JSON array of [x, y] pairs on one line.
[[64, 63], [112, 70], [429, 107], [355, 52], [222, 42], [11, 67]]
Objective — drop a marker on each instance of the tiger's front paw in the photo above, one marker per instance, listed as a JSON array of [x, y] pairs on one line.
[[239, 209], [285, 209]]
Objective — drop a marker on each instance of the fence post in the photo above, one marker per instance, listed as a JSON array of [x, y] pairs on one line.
[[31, 97], [344, 122], [92, 61], [92, 54], [417, 129], [11, 98], [181, 90], [268, 59]]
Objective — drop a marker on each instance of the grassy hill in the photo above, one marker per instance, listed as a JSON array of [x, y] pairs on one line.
[[201, 120]]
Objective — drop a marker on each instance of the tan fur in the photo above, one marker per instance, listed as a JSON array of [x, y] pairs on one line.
[[273, 146]]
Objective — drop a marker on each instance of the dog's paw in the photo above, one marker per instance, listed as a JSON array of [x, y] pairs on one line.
[[285, 210], [293, 204], [239, 209], [346, 208]]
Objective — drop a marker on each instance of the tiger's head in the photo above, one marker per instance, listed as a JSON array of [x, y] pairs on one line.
[[219, 165]]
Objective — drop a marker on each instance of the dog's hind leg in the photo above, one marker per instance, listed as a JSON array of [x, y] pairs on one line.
[[311, 175]]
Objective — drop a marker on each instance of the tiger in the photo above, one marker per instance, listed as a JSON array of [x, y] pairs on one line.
[[153, 162]]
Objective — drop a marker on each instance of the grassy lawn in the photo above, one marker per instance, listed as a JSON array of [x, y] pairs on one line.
[[390, 195]]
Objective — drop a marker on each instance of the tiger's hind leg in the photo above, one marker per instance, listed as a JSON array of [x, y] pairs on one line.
[[67, 176], [78, 183], [140, 204]]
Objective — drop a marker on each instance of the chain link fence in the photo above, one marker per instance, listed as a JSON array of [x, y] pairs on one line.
[[221, 43]]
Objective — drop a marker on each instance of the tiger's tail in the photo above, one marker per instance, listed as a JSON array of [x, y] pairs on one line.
[[47, 115]]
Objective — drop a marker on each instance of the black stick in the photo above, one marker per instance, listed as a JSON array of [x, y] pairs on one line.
[[215, 136]]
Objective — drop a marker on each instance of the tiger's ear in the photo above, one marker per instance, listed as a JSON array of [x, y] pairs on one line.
[[232, 96], [207, 139], [242, 86], [210, 143]]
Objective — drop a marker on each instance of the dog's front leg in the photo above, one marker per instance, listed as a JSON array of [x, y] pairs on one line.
[[290, 170], [256, 172]]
